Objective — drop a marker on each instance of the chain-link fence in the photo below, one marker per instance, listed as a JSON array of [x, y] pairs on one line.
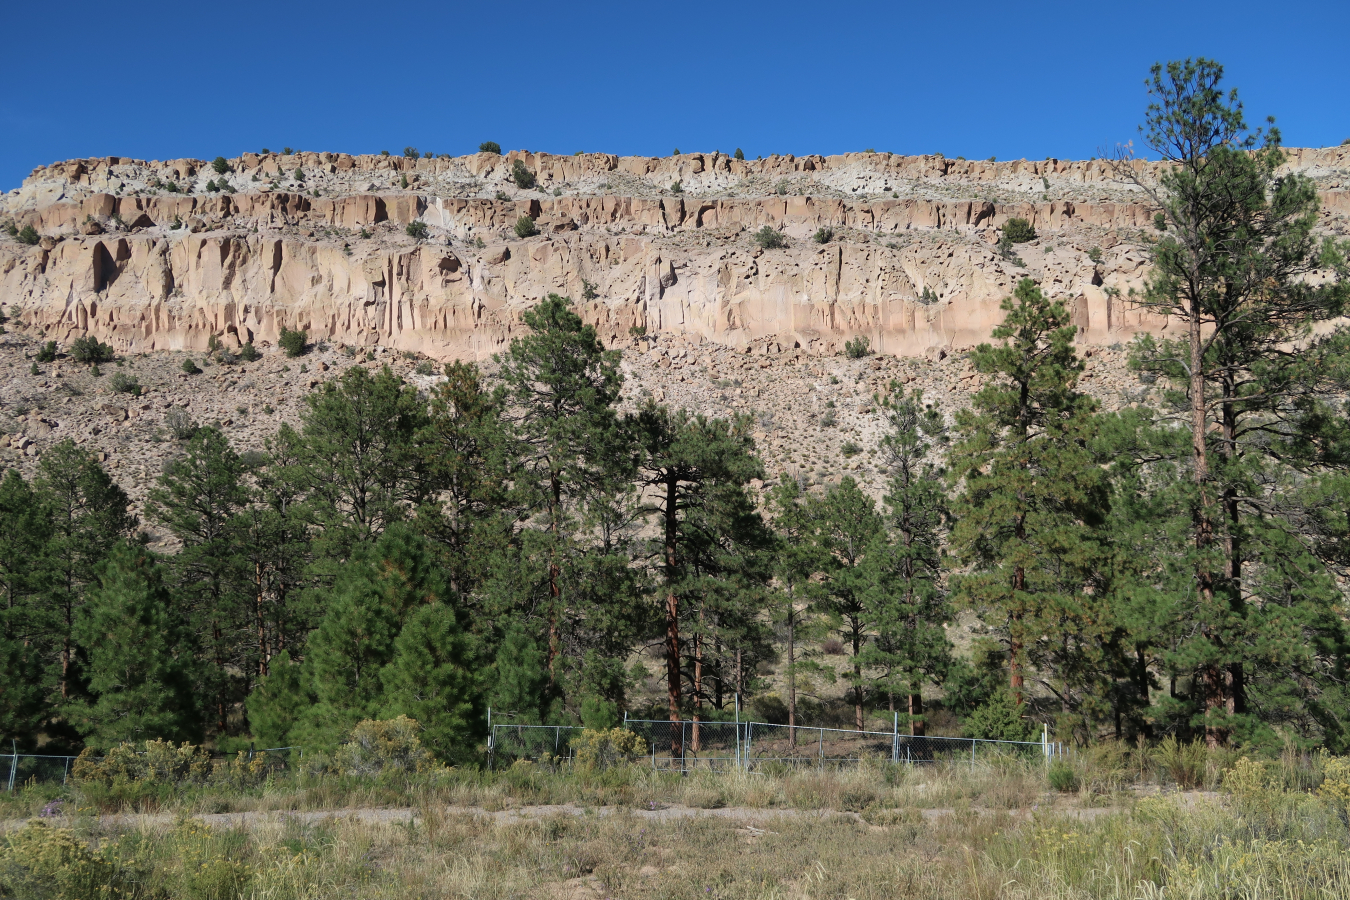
[[20, 769], [752, 745]]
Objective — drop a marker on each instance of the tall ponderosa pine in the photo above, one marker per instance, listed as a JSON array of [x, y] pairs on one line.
[[198, 499], [1031, 497], [850, 533], [88, 516], [696, 471], [355, 461], [909, 603], [794, 603], [560, 390], [1237, 262], [139, 658], [431, 679]]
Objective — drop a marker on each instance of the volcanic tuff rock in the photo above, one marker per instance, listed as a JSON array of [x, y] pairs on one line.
[[146, 256]]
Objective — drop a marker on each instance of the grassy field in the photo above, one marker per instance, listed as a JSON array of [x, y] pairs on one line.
[[1118, 828]]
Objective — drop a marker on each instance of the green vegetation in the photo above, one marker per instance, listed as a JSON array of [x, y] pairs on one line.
[[27, 235], [739, 153], [190, 367], [858, 347], [521, 175], [410, 153], [249, 353], [490, 147], [122, 383], [823, 235], [770, 239], [1018, 231], [292, 342], [1095, 254], [417, 229], [47, 352], [525, 227], [87, 349], [221, 165], [676, 188]]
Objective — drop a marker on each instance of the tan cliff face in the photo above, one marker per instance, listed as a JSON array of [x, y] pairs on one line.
[[910, 261]]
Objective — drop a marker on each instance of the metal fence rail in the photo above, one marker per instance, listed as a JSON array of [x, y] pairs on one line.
[[750, 745]]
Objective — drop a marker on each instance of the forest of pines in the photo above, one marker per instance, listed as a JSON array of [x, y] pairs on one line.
[[519, 543]]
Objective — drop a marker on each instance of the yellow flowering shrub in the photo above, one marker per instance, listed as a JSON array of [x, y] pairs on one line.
[[600, 749], [1336, 780], [384, 745], [42, 861]]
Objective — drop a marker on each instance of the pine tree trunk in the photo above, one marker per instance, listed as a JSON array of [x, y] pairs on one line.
[[857, 680], [554, 576], [694, 741], [1210, 678], [259, 619], [673, 623], [792, 673], [917, 727]]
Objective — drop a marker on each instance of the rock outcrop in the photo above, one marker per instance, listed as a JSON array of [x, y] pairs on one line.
[[901, 250]]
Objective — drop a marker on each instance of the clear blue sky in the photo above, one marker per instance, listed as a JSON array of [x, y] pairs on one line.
[[974, 78]]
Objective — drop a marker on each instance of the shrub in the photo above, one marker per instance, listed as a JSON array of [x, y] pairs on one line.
[[379, 746], [739, 153], [47, 353], [34, 370], [598, 750], [299, 174], [425, 368], [676, 188], [180, 424], [1185, 764], [490, 147], [1062, 777], [928, 296], [588, 291], [123, 383], [249, 353], [1018, 231], [171, 187], [86, 349], [850, 450], [154, 762], [410, 153], [857, 348], [1336, 780], [521, 175], [287, 151], [823, 235], [220, 165], [998, 719], [1095, 254], [417, 230], [829, 420], [525, 227], [770, 239], [403, 181], [502, 195], [211, 186], [190, 367], [292, 342], [42, 861], [677, 152], [28, 235], [781, 188]]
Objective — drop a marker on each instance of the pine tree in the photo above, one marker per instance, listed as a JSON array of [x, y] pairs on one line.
[[560, 387], [374, 594], [198, 499], [1238, 262], [25, 533], [88, 515], [519, 677], [794, 603], [710, 534], [849, 531], [909, 606], [355, 461], [139, 675], [22, 695], [430, 679], [277, 701], [1031, 498]]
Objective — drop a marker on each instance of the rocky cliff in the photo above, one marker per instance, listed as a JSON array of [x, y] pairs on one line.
[[902, 250]]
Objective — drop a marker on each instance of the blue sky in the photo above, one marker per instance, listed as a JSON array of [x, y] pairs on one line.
[[972, 78]]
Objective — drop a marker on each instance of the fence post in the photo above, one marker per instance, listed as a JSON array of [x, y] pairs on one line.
[[13, 763], [739, 762], [972, 753], [66, 777], [895, 737], [820, 753]]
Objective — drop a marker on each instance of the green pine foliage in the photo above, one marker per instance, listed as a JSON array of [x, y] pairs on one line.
[[1030, 500], [140, 681]]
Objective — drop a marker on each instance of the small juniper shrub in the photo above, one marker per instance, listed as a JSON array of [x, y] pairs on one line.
[[525, 227], [858, 347], [292, 342], [770, 239]]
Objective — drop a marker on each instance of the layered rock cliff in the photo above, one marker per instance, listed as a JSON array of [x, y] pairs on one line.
[[901, 250]]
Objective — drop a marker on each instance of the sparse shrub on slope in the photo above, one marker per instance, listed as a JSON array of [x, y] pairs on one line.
[[292, 342], [521, 175], [1018, 231], [490, 147], [525, 227], [770, 238]]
